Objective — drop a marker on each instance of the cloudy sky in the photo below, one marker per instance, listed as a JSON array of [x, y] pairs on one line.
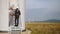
[[41, 10]]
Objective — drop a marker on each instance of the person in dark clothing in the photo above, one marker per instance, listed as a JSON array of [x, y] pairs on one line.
[[17, 14]]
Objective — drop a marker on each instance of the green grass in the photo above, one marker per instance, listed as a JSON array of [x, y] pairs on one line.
[[43, 28]]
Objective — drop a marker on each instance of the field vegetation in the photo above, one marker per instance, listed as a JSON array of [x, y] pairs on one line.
[[43, 27]]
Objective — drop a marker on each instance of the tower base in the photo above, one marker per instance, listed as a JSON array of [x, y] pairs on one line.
[[16, 32]]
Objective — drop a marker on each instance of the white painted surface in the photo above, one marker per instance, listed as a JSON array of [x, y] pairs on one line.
[[22, 9], [4, 15]]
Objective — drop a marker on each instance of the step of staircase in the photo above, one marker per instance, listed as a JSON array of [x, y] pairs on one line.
[[17, 32]]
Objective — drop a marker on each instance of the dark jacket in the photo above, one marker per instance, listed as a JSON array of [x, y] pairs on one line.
[[17, 13]]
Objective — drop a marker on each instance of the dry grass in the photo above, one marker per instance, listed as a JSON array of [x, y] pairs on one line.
[[43, 28]]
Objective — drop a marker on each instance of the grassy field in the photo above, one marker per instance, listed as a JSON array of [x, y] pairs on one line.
[[44, 27]]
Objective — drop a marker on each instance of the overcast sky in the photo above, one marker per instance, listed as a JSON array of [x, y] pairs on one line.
[[40, 10]]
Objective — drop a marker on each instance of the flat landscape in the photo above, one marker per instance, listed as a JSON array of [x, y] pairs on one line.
[[43, 27]]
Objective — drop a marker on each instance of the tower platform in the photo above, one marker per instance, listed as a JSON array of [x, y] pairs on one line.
[[16, 32]]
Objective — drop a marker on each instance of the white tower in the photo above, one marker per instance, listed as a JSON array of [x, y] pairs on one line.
[[4, 14]]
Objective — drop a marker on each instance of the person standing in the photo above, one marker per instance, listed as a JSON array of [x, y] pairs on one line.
[[17, 14], [11, 14]]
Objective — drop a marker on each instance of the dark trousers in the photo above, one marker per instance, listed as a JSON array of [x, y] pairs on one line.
[[16, 21]]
